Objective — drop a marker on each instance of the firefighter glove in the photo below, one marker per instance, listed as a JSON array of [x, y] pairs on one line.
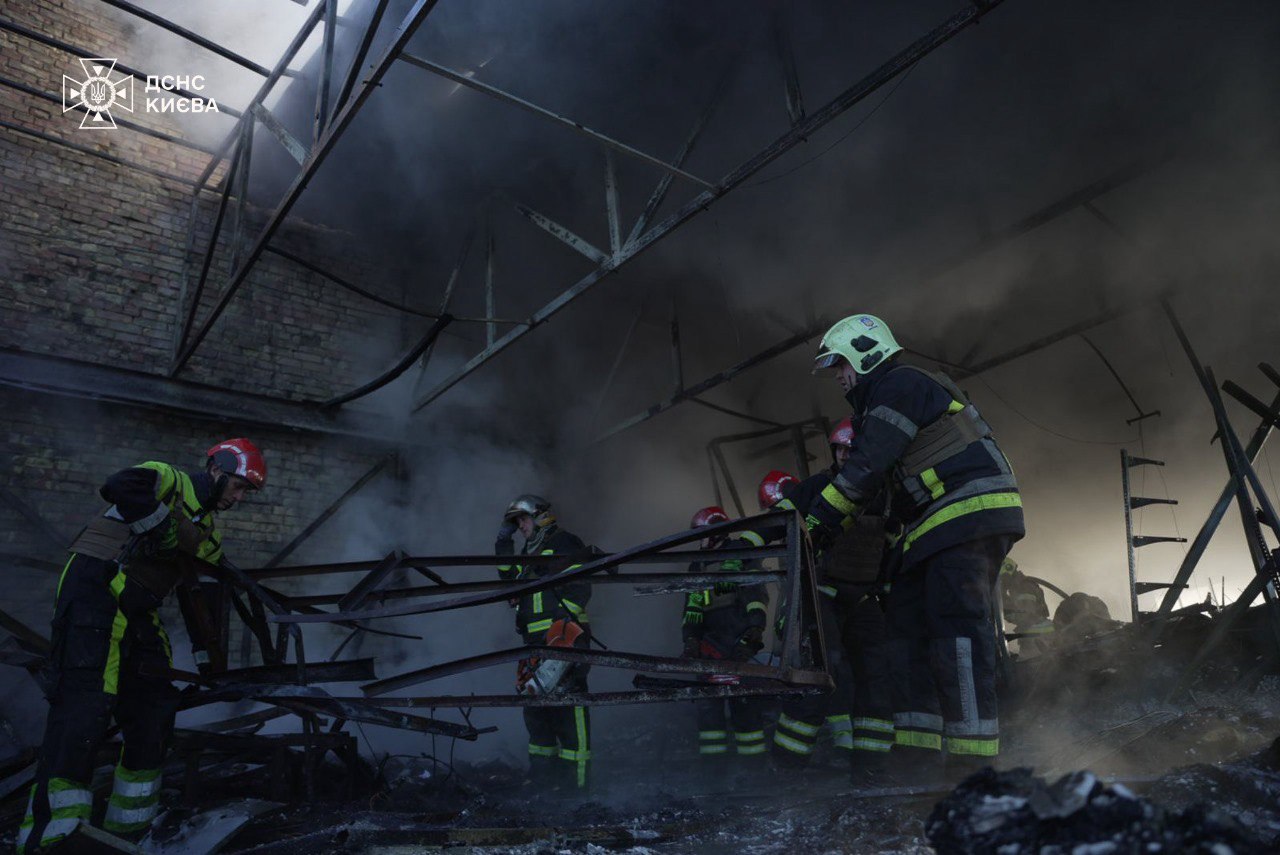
[[507, 531], [161, 543], [749, 643]]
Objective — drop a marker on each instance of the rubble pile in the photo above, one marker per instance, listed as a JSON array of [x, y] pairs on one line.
[[1016, 812]]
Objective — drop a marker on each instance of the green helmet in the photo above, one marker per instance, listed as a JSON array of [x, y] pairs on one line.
[[862, 340]]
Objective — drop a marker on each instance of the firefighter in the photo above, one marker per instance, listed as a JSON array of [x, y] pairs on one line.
[[853, 565], [1025, 610], [726, 622], [800, 721], [956, 495], [107, 635], [555, 616]]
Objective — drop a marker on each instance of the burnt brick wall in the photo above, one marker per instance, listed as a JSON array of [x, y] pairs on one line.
[[91, 261]]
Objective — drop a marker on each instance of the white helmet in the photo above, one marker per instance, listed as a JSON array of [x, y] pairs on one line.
[[864, 341]]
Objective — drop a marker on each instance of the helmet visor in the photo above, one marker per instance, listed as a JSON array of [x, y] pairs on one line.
[[824, 364]]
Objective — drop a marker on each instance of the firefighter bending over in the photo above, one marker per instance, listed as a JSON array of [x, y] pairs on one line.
[[107, 634], [555, 617]]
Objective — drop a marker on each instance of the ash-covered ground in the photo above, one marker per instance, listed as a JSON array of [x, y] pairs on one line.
[[1164, 777]]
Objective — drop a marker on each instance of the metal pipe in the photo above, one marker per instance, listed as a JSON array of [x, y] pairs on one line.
[[405, 363]]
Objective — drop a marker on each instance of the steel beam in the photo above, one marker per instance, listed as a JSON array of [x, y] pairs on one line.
[[664, 183], [713, 381], [405, 363], [110, 158], [611, 202], [669, 582], [675, 556], [603, 658], [898, 64], [582, 571], [211, 247], [562, 234], [348, 285], [109, 384], [1210, 526], [366, 41], [191, 36], [296, 150], [408, 27], [494, 92], [376, 470], [122, 122], [601, 699], [790, 77], [1046, 341], [280, 67], [326, 68]]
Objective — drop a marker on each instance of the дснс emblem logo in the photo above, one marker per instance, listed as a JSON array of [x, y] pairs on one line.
[[98, 94]]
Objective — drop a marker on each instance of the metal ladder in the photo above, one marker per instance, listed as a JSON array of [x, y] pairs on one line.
[[1132, 542]]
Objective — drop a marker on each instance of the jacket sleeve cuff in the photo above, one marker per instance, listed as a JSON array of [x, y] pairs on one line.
[[151, 520], [832, 495]]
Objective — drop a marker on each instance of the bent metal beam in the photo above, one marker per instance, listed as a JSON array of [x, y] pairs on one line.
[[799, 132]]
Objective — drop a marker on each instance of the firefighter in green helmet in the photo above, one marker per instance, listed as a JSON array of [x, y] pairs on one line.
[[955, 494]]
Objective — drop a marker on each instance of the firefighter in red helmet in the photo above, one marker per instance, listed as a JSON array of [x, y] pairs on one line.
[[107, 636], [725, 623]]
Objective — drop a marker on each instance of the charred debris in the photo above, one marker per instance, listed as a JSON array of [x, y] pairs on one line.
[[1100, 708]]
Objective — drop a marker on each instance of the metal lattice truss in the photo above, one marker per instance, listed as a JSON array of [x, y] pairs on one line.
[[340, 98]]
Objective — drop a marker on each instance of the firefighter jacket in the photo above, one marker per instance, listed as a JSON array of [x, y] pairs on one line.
[[157, 514], [916, 433], [720, 618], [536, 612]]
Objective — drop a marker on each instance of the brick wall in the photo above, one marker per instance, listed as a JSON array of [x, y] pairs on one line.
[[91, 260]]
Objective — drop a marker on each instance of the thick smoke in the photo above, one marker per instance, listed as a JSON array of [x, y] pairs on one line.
[[869, 214]]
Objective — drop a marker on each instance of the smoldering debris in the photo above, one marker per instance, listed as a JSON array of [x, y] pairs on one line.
[[1015, 811]]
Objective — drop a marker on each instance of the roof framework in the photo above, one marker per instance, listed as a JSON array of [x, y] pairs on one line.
[[341, 95]]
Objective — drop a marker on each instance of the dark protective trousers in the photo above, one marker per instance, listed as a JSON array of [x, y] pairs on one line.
[[104, 632], [560, 737], [801, 720], [864, 633], [942, 650], [722, 720]]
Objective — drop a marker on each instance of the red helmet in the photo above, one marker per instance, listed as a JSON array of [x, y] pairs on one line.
[[240, 457], [842, 434], [773, 487], [709, 515]]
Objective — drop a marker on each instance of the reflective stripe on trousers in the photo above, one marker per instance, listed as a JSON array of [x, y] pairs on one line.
[[135, 800], [69, 803]]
